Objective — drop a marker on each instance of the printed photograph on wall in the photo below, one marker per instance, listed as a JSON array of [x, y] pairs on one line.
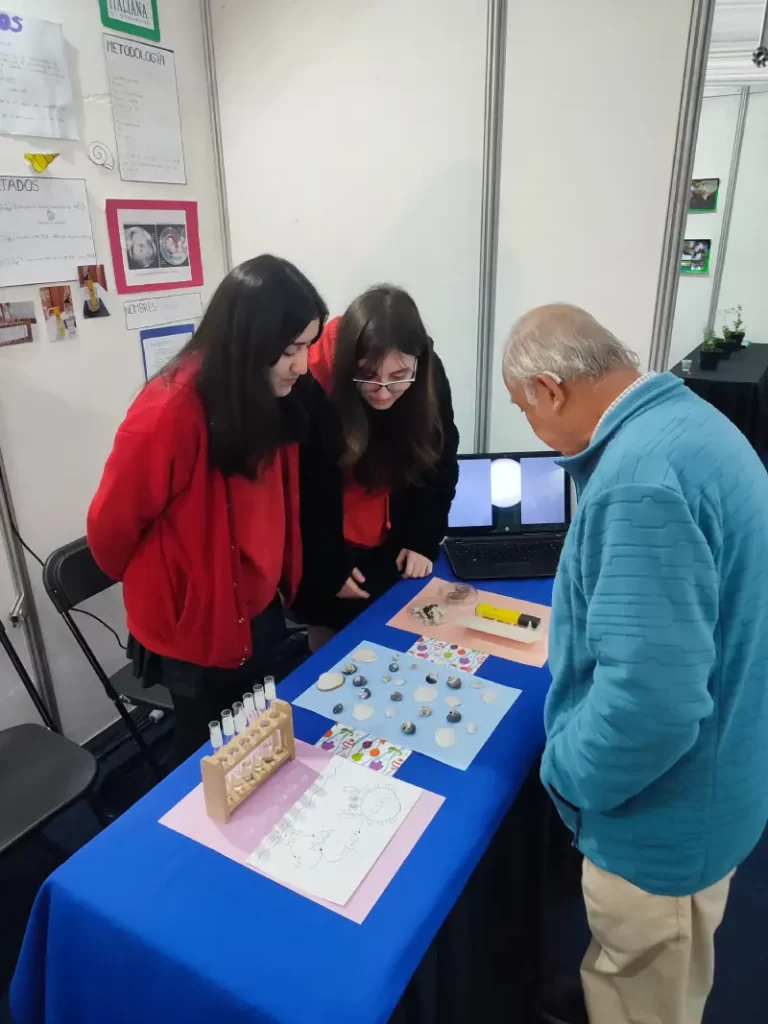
[[155, 244], [695, 256], [93, 290], [703, 197], [16, 320], [59, 312]]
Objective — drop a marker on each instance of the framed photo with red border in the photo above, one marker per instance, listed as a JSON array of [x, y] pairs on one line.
[[155, 244]]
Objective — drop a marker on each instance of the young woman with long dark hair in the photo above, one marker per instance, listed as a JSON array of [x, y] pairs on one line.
[[375, 498], [197, 511]]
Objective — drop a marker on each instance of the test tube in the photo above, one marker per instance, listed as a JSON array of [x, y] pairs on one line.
[[259, 699], [227, 724], [237, 708], [249, 706], [265, 748], [217, 739], [270, 692]]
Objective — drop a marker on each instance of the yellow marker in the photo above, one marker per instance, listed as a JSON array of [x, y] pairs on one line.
[[40, 161], [60, 328], [93, 300], [506, 615]]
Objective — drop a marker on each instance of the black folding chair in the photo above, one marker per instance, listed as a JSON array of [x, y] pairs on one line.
[[41, 772], [71, 576]]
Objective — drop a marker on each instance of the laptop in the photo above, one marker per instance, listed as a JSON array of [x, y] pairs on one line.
[[509, 517]]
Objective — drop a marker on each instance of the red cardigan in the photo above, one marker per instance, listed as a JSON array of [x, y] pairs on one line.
[[166, 524], [366, 513]]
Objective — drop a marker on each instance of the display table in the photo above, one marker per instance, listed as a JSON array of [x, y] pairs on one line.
[[738, 388], [145, 925]]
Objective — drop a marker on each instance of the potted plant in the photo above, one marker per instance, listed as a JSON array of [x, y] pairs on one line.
[[708, 354], [726, 343], [737, 330]]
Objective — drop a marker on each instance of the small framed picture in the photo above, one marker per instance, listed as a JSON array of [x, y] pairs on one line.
[[703, 197], [155, 244], [695, 256]]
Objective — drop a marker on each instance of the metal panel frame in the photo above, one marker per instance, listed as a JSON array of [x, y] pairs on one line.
[[691, 96]]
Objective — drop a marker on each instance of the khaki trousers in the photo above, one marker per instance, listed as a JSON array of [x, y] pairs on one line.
[[651, 959]]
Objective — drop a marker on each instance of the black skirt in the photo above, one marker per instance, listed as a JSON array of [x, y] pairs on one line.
[[315, 607]]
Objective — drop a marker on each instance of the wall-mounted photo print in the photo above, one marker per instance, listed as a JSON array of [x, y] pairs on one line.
[[703, 198], [93, 290], [155, 245], [59, 312], [695, 256], [16, 320]]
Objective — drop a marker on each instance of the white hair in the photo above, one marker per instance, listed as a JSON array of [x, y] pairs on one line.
[[562, 341]]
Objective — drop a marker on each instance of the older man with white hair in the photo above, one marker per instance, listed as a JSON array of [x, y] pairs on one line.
[[657, 719]]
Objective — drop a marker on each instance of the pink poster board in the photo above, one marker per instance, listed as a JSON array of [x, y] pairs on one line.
[[535, 654], [256, 817]]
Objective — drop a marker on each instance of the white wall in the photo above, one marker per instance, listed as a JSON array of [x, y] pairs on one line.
[[717, 128], [353, 145], [745, 276], [61, 403], [591, 110]]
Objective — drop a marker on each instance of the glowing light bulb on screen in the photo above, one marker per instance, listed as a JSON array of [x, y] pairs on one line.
[[506, 483]]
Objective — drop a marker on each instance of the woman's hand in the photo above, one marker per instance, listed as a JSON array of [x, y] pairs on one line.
[[352, 589], [412, 565]]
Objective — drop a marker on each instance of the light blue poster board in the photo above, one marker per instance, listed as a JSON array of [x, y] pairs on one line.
[[481, 704]]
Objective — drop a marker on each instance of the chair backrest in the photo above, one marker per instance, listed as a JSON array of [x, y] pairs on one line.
[[71, 575]]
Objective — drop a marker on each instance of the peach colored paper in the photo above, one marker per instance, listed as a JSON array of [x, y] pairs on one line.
[[527, 654], [255, 817]]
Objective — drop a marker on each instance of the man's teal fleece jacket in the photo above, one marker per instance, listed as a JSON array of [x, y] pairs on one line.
[[657, 719]]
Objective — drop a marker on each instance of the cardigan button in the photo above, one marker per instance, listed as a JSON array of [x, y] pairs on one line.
[[245, 649], [241, 621], [231, 547], [242, 661]]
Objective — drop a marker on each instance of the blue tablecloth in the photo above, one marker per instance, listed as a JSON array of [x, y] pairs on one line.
[[145, 925]]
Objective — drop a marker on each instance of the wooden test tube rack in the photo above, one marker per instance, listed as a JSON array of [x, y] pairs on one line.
[[223, 789]]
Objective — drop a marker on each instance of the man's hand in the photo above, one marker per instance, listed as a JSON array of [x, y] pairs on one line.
[[352, 591], [412, 565]]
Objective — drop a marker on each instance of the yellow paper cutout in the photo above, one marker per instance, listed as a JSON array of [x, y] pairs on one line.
[[40, 161]]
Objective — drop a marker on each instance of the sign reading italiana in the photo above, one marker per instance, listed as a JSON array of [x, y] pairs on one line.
[[136, 17]]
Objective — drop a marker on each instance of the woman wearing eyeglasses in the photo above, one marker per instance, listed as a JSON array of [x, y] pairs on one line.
[[375, 499]]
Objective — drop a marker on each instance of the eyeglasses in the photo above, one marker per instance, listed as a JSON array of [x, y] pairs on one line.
[[395, 387]]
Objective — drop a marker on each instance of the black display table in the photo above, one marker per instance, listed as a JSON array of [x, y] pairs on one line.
[[738, 388]]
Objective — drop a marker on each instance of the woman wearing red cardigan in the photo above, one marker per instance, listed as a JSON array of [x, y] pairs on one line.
[[376, 492], [197, 511]]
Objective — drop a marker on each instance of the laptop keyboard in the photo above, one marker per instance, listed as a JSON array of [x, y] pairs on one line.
[[507, 550]]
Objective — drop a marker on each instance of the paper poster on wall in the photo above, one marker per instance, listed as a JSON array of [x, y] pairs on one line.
[[160, 344], [45, 229], [145, 109], [16, 320], [135, 17], [93, 291], [695, 256], [59, 312], [36, 94], [703, 196], [162, 309], [155, 244]]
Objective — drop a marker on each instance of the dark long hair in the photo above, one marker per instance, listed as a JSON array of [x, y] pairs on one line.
[[257, 311], [400, 445]]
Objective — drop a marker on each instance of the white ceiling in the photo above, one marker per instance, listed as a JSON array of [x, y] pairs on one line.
[[737, 23], [735, 31]]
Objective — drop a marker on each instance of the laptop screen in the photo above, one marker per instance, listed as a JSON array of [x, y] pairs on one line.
[[510, 493]]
